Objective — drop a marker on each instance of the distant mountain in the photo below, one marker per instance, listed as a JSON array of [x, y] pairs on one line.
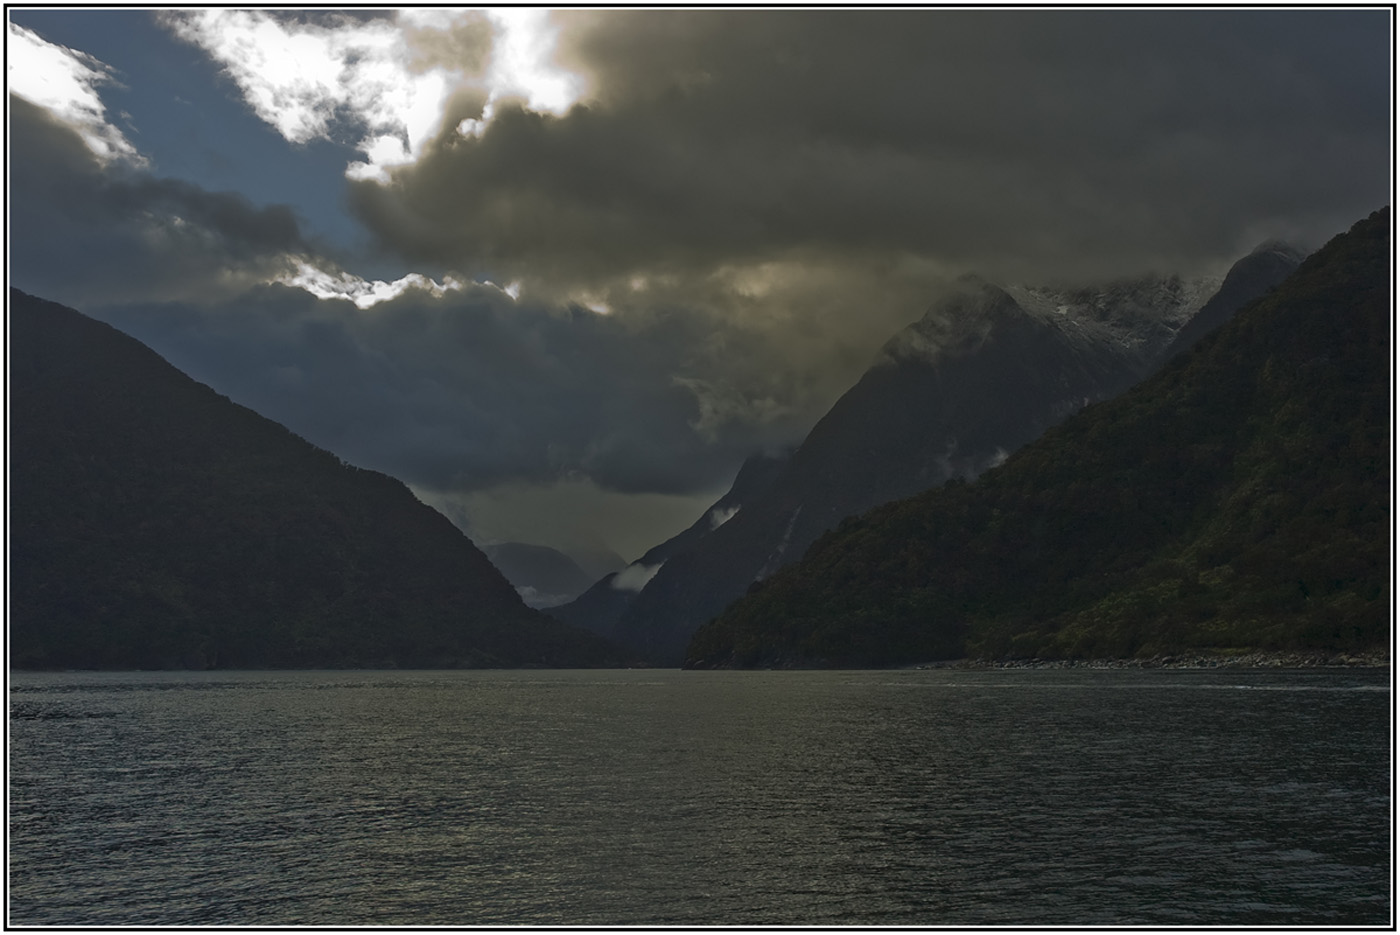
[[596, 560], [983, 372], [1238, 499], [543, 577], [156, 524], [602, 605]]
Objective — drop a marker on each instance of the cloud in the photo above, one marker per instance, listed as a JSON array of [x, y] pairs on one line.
[[471, 389], [362, 292], [1021, 143], [621, 250], [536, 598], [635, 577], [724, 403], [460, 388], [395, 82], [90, 230], [522, 62], [718, 517], [306, 78], [755, 201], [64, 83]]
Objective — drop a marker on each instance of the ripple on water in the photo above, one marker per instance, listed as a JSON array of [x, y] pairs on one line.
[[1013, 797]]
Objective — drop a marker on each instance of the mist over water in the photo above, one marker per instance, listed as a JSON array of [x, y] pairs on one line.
[[653, 797]]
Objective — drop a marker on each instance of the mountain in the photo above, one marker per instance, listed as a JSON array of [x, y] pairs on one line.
[[983, 372], [1237, 499], [156, 524], [543, 577], [596, 559], [1256, 274], [600, 607]]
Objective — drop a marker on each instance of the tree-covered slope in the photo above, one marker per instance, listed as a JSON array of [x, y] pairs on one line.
[[950, 395], [154, 523], [984, 371], [1237, 499]]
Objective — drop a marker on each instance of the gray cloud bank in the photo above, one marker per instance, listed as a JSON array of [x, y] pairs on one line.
[[759, 200], [466, 391], [454, 393], [83, 233], [1030, 144]]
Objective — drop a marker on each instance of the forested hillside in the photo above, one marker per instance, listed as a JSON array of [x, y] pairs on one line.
[[984, 371], [1239, 498], [156, 524]]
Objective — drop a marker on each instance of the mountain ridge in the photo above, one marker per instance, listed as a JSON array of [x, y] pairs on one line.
[[950, 395], [1237, 498], [156, 524], [600, 607]]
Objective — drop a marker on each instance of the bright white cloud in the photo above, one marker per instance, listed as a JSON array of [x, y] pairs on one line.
[[389, 81], [64, 82], [522, 63], [303, 78], [364, 293], [511, 289]]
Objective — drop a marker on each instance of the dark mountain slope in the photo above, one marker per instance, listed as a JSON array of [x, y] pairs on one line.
[[1269, 264], [154, 523], [1239, 498], [982, 373], [601, 607], [975, 378]]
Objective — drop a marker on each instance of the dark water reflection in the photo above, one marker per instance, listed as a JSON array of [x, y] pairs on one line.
[[1015, 797]]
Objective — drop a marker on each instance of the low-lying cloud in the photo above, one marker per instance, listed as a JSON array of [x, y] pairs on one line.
[[635, 577], [719, 516]]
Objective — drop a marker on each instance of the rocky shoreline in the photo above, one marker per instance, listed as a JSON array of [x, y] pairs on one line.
[[1187, 660]]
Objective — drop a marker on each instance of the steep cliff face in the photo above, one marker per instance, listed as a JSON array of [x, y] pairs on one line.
[[156, 524], [1236, 499]]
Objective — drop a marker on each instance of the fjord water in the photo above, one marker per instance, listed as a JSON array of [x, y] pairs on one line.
[[650, 797]]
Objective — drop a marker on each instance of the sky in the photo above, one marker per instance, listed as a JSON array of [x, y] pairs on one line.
[[562, 271]]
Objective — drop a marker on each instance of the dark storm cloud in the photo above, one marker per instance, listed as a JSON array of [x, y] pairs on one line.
[[466, 391], [84, 232], [456, 393], [1045, 142]]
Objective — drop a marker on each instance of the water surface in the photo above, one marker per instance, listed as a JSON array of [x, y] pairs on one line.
[[1022, 797]]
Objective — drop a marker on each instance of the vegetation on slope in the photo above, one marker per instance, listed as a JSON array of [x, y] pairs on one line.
[[1239, 499], [156, 524], [978, 376]]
